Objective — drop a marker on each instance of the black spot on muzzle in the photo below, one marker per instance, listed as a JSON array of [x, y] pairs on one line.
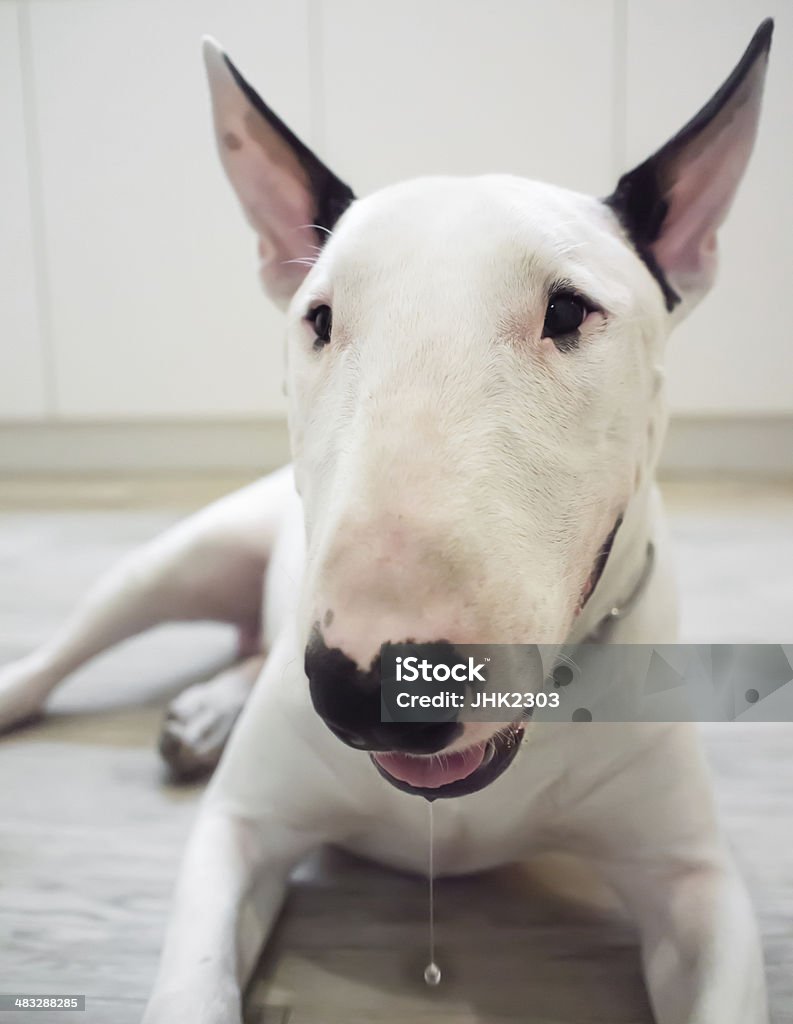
[[348, 700]]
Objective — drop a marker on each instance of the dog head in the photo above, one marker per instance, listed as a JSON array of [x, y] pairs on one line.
[[474, 385]]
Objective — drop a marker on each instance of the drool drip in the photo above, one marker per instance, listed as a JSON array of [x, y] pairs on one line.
[[432, 973]]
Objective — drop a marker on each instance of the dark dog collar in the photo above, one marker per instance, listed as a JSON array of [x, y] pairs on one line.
[[602, 631]]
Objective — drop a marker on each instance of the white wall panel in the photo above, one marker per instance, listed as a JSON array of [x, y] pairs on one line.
[[517, 86], [22, 386], [156, 307], [735, 353]]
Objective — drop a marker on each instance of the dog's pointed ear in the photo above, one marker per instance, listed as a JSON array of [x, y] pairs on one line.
[[289, 196], [672, 205]]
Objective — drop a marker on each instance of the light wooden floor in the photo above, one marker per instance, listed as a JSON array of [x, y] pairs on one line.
[[90, 831]]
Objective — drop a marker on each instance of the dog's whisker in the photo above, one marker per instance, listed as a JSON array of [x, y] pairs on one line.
[[303, 261]]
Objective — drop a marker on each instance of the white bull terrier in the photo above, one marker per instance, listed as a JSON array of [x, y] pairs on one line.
[[476, 403]]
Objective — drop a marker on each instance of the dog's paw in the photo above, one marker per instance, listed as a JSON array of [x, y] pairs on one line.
[[23, 692], [174, 1007], [199, 721]]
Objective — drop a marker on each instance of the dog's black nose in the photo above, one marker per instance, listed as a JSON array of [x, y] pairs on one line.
[[348, 700]]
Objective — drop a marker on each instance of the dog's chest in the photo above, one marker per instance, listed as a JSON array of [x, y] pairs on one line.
[[470, 834]]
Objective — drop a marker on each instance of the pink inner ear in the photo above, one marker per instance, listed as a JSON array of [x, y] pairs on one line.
[[706, 175], [282, 273], [276, 195], [269, 180]]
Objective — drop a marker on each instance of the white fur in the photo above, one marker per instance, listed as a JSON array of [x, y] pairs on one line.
[[458, 475]]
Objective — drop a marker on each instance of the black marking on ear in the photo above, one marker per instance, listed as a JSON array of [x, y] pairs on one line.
[[641, 209], [639, 199], [332, 195]]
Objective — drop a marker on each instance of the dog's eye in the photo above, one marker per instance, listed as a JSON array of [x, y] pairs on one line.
[[564, 315], [321, 318]]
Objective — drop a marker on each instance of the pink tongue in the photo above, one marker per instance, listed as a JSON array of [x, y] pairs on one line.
[[429, 772]]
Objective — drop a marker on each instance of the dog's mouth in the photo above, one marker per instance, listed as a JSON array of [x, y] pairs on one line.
[[458, 773]]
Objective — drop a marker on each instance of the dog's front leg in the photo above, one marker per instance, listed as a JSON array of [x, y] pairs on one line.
[[700, 945], [643, 813], [229, 890]]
